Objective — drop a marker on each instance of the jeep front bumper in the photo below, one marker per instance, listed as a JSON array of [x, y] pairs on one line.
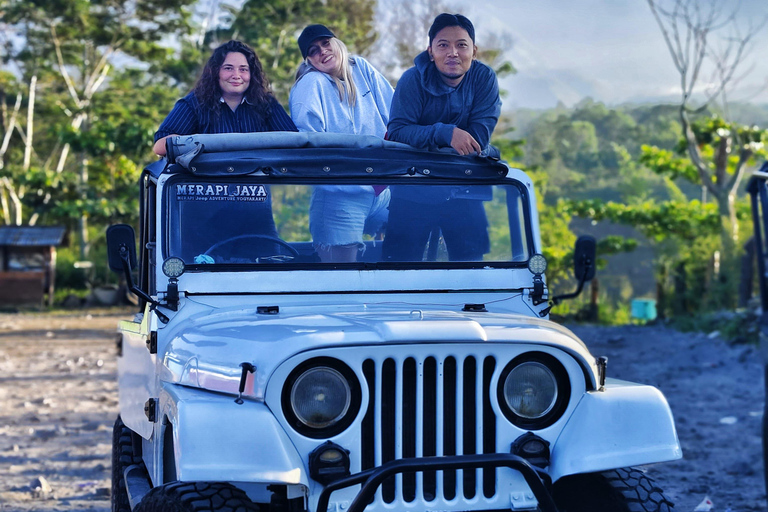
[[371, 479]]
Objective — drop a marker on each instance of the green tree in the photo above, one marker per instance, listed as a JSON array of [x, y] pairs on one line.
[[594, 157], [578, 149], [588, 150], [719, 151], [11, 96], [557, 239], [681, 232], [272, 28], [724, 150], [75, 53]]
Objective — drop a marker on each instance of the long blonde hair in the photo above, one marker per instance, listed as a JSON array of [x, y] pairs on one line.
[[342, 75]]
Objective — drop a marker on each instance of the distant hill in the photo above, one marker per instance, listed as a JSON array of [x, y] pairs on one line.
[[523, 119], [749, 114]]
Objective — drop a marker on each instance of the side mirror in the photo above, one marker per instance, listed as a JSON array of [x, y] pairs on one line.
[[584, 258], [584, 254], [121, 239], [121, 251]]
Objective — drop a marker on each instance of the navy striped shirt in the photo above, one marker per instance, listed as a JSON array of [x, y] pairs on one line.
[[188, 118]]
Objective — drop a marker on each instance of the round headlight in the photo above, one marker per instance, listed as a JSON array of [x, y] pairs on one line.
[[530, 390], [320, 397], [534, 390]]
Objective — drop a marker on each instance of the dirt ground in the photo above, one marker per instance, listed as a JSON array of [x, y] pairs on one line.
[[716, 392], [58, 401]]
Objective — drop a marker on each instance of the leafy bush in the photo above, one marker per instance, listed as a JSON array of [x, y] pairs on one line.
[[67, 276], [615, 314], [62, 295]]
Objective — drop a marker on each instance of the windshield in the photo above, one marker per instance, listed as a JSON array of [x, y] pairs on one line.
[[403, 222]]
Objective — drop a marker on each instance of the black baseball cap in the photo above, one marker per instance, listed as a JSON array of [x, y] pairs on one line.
[[310, 34]]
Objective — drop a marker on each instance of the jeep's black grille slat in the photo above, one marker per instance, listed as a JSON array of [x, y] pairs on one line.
[[489, 434], [429, 407], [468, 418], [449, 424], [388, 418], [409, 426], [367, 435], [429, 439]]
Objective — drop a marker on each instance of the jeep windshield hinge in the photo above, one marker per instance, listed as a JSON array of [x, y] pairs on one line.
[[172, 295], [150, 409], [538, 290], [152, 342]]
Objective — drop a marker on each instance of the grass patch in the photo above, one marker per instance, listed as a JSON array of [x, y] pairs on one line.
[[737, 327]]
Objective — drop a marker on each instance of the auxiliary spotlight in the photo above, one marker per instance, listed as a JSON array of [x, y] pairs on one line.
[[328, 462]]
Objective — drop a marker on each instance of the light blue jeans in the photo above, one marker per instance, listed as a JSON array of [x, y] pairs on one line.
[[340, 214]]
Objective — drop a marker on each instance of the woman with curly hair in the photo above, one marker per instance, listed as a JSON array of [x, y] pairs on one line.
[[232, 95]]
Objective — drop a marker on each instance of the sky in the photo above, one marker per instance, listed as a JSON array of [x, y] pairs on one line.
[[610, 50]]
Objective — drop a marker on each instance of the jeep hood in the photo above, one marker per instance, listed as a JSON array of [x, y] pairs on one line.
[[206, 349]]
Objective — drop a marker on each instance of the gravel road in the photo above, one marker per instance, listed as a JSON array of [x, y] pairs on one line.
[[58, 400]]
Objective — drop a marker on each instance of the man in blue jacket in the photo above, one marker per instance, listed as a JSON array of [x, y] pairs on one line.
[[448, 99]]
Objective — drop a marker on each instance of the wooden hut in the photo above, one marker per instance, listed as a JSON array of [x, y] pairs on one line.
[[28, 264]]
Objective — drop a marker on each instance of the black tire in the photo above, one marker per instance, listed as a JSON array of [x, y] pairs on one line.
[[196, 497], [122, 457], [618, 490]]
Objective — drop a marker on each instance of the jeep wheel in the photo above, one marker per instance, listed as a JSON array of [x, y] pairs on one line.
[[619, 490], [122, 457], [196, 497]]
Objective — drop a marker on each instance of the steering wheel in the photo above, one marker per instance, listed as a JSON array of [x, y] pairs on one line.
[[253, 254]]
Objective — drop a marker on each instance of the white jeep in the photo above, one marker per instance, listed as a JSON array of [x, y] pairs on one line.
[[258, 376]]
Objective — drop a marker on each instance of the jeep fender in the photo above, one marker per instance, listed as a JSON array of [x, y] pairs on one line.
[[627, 424], [215, 438]]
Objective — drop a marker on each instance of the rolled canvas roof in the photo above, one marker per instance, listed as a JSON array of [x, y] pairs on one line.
[[315, 154]]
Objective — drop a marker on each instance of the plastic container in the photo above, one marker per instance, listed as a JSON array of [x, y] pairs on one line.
[[644, 309]]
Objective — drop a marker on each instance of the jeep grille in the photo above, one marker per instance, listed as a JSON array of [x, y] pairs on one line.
[[446, 410]]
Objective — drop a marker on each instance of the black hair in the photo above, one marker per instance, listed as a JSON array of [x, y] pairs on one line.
[[207, 88], [451, 20]]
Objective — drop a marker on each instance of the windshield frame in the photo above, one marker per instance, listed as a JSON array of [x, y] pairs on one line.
[[167, 182]]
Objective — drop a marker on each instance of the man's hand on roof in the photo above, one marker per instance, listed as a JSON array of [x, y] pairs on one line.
[[464, 143]]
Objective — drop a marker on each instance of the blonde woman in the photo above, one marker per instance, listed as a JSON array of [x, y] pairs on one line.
[[340, 93]]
